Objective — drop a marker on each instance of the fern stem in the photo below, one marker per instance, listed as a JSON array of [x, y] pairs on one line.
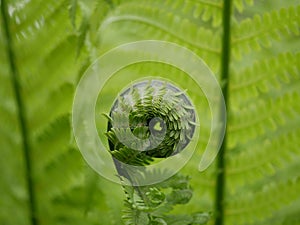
[[20, 111], [221, 163]]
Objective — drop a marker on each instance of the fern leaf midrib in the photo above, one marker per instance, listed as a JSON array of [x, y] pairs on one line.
[[20, 112], [221, 164]]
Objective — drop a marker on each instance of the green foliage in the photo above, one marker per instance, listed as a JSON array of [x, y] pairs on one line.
[[65, 190], [136, 111], [54, 41], [152, 204]]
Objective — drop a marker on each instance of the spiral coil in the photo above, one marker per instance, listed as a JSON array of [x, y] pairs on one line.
[[149, 119], [153, 117]]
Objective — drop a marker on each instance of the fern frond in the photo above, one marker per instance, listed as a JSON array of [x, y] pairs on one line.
[[274, 81], [195, 10], [160, 22], [263, 145], [279, 116], [66, 163], [37, 33], [272, 156], [155, 18], [251, 34], [37, 12], [285, 215], [241, 4], [151, 204], [57, 100], [262, 155], [45, 49], [279, 70], [262, 203], [206, 11], [52, 141], [54, 62]]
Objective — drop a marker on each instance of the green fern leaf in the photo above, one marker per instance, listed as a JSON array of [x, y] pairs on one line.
[[53, 43], [44, 47]]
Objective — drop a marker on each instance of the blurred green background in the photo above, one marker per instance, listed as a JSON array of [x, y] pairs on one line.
[[52, 43]]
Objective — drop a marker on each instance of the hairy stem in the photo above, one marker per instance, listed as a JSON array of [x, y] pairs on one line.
[[221, 164], [20, 111]]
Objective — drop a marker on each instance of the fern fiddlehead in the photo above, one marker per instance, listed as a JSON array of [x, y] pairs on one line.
[[152, 119], [148, 144]]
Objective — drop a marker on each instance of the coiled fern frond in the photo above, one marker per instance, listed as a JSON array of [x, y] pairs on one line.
[[152, 119]]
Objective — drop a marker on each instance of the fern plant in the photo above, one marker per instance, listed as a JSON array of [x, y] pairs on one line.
[[162, 122], [251, 46], [44, 179]]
